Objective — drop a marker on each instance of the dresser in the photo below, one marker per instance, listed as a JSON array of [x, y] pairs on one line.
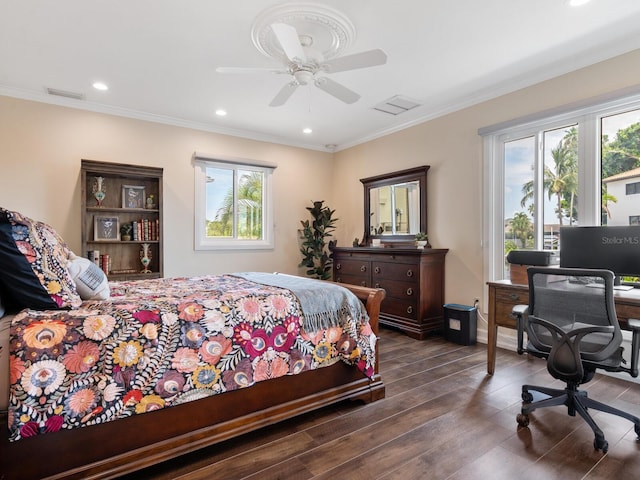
[[412, 278]]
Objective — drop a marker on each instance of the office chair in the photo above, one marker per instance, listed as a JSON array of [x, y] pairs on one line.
[[571, 322]]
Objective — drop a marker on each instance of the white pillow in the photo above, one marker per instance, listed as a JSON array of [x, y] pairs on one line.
[[91, 282]]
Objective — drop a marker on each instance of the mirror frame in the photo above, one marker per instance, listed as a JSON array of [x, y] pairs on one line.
[[418, 174]]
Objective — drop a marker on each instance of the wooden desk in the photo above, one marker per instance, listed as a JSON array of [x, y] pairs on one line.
[[503, 295]]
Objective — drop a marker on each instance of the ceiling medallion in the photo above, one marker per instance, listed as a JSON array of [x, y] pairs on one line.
[[325, 29]]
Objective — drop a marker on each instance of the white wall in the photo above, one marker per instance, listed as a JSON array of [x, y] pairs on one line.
[[626, 205], [40, 150]]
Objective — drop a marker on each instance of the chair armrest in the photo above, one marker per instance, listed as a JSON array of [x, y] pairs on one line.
[[519, 312], [634, 325]]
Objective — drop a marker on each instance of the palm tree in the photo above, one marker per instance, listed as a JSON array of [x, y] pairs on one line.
[[562, 179], [250, 195], [606, 199], [521, 227]]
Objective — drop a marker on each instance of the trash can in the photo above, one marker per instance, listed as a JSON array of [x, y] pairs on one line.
[[460, 323]]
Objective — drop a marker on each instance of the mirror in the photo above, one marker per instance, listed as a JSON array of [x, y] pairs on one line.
[[395, 205]]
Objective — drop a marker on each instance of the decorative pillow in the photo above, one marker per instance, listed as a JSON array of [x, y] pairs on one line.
[[90, 280], [33, 265]]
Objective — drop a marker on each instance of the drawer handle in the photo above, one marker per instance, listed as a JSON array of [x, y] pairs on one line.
[[409, 291], [363, 268], [409, 309], [338, 266], [363, 283], [377, 270], [409, 273], [513, 296], [339, 280], [377, 285]]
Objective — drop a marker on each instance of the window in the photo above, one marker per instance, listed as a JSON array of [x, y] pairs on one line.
[[573, 168], [634, 220], [233, 204], [633, 188]]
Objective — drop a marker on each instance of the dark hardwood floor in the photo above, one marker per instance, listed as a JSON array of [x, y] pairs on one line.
[[442, 418]]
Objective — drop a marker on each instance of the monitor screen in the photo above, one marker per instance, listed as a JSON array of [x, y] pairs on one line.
[[615, 248]]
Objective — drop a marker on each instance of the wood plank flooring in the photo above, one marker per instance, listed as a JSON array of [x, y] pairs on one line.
[[442, 418]]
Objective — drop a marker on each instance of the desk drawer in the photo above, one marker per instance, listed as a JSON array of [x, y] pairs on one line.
[[505, 301]]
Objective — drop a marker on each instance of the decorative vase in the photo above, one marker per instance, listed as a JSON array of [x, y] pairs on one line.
[[421, 243], [99, 190], [145, 257]]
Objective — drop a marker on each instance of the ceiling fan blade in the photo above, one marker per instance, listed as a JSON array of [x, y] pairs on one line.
[[284, 94], [370, 58], [290, 42], [339, 91], [250, 70]]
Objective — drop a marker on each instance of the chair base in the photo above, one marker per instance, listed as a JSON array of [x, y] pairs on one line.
[[576, 401]]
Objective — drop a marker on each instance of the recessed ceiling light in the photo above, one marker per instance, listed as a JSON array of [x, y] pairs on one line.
[[577, 3], [307, 130], [100, 86], [220, 112]]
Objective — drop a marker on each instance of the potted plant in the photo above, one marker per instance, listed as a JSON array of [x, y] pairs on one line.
[[422, 240], [125, 232], [315, 257]]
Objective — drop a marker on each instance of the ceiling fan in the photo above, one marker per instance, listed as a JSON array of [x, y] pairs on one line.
[[305, 64]]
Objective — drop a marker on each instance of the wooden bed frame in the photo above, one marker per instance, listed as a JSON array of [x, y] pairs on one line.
[[106, 451]]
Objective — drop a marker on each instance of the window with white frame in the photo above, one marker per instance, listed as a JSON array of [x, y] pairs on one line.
[[569, 168], [233, 203]]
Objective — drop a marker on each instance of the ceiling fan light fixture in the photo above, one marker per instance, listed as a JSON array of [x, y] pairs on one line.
[[303, 77]]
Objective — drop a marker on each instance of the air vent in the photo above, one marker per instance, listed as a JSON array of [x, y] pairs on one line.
[[396, 105], [64, 93]]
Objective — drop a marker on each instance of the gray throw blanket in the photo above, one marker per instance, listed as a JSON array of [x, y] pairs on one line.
[[324, 304]]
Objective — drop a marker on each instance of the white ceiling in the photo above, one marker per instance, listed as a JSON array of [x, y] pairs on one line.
[[159, 58]]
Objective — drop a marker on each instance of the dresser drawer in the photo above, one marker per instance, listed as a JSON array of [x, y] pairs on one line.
[[401, 290], [353, 279], [505, 301], [405, 308], [352, 266], [405, 272]]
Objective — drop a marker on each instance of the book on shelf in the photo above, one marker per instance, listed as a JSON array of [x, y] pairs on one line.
[[94, 256]]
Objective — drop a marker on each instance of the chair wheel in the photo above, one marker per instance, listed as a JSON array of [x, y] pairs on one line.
[[527, 397], [601, 445], [637, 430], [522, 419]]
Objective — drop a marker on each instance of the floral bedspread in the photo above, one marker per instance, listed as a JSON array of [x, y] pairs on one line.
[[159, 343]]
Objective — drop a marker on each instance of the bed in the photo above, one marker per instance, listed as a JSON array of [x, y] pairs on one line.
[[81, 405]]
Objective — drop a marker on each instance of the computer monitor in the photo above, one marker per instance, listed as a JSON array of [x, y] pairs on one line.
[[615, 248]]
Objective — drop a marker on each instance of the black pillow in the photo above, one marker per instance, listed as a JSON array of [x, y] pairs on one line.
[[33, 266]]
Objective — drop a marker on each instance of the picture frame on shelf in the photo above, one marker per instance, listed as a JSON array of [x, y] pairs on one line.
[[133, 196], [106, 228]]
